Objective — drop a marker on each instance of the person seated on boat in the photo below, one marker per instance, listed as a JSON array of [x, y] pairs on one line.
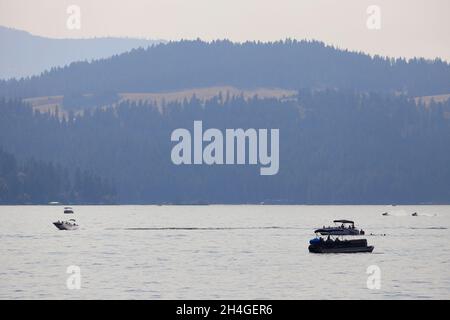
[[337, 240], [329, 239], [342, 226]]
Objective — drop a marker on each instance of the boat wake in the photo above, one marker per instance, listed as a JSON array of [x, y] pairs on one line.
[[209, 228], [429, 228]]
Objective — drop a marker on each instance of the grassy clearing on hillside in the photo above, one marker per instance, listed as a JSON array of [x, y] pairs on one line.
[[428, 99], [50, 103], [205, 94]]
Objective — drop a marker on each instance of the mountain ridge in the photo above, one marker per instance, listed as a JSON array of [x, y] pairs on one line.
[[24, 54]]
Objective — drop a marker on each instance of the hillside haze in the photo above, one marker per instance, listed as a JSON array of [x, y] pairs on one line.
[[24, 54], [354, 129]]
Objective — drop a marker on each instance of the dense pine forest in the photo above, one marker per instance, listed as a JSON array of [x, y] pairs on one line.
[[288, 64], [39, 182], [336, 146]]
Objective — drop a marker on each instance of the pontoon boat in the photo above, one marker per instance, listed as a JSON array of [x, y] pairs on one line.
[[335, 241]]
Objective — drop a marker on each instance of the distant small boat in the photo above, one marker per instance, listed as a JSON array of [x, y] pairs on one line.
[[385, 214], [415, 214], [68, 210], [66, 225], [53, 203]]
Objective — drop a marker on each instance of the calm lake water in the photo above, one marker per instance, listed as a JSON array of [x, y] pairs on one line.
[[220, 252]]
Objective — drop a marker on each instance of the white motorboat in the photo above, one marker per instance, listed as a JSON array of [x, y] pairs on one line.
[[66, 225]]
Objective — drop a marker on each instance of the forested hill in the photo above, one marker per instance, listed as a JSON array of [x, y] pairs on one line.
[[286, 64], [335, 147]]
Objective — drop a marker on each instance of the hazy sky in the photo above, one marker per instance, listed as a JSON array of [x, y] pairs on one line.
[[408, 27]]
